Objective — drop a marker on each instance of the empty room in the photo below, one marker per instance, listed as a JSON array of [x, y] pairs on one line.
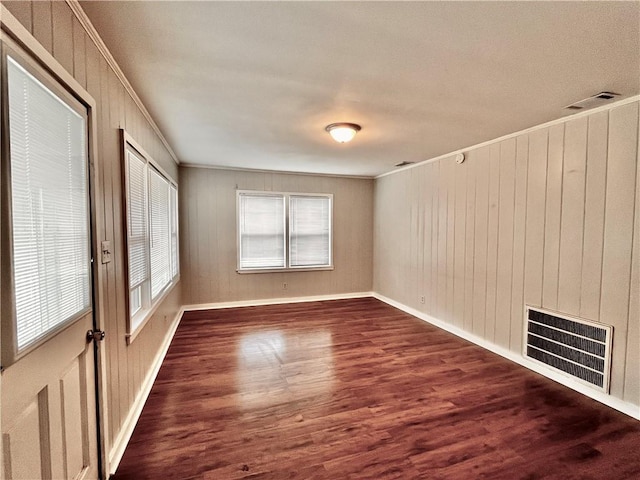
[[319, 240]]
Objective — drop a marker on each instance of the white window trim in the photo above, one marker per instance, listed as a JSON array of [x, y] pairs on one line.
[[143, 315], [286, 268]]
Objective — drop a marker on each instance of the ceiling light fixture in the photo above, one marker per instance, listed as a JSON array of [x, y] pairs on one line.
[[343, 132]]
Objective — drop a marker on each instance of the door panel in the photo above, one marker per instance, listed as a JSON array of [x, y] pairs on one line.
[[48, 409], [22, 443], [74, 422]]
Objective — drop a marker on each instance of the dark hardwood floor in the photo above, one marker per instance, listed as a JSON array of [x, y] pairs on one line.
[[357, 389]]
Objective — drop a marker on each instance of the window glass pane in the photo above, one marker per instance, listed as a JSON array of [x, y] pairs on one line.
[[160, 233], [135, 300], [309, 231], [262, 231], [51, 259]]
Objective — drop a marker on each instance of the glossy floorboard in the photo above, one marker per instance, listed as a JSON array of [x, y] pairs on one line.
[[357, 389]]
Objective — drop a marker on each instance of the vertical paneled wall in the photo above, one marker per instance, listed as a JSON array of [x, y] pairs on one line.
[[55, 26], [549, 218], [208, 236]]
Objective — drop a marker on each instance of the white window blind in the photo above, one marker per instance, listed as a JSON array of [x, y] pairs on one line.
[[309, 231], [138, 237], [174, 230], [152, 233], [49, 198], [160, 233], [262, 231], [284, 231]]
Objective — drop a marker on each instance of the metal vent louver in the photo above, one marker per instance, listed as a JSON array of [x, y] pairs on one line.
[[593, 101], [575, 347]]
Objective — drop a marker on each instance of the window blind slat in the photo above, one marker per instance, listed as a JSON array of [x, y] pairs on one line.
[[49, 207]]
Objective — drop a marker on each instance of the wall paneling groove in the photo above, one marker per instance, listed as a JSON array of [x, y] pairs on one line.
[[548, 218], [208, 235]]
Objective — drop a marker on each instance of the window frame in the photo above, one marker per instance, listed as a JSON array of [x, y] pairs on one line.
[[287, 234], [11, 353], [148, 303]]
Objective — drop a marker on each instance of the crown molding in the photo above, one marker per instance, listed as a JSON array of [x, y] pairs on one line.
[[277, 172], [104, 51], [557, 121]]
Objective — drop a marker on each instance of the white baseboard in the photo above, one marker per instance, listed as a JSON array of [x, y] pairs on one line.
[[615, 403], [129, 424], [276, 301]]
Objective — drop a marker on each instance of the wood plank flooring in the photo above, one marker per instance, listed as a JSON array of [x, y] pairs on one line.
[[355, 389]]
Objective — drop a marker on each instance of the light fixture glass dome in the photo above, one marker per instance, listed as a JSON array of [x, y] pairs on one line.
[[343, 132]]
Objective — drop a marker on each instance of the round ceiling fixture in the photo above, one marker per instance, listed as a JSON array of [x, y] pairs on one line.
[[343, 132]]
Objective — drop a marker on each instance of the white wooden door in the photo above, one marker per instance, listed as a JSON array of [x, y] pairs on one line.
[[48, 395], [48, 410]]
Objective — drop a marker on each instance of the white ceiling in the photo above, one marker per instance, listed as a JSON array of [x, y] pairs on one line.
[[253, 84]]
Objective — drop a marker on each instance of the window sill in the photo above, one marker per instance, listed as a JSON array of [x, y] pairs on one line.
[[284, 270], [149, 313]]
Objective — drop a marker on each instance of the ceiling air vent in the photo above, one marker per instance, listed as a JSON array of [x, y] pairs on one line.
[[404, 164], [574, 347], [594, 101]]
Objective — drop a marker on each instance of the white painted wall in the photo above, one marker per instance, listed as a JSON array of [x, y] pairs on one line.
[[548, 218], [208, 236]]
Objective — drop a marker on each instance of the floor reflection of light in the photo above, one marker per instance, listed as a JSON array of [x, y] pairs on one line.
[[276, 367], [256, 346]]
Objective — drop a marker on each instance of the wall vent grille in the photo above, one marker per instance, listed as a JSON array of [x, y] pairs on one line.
[[404, 163], [574, 347], [593, 101]]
